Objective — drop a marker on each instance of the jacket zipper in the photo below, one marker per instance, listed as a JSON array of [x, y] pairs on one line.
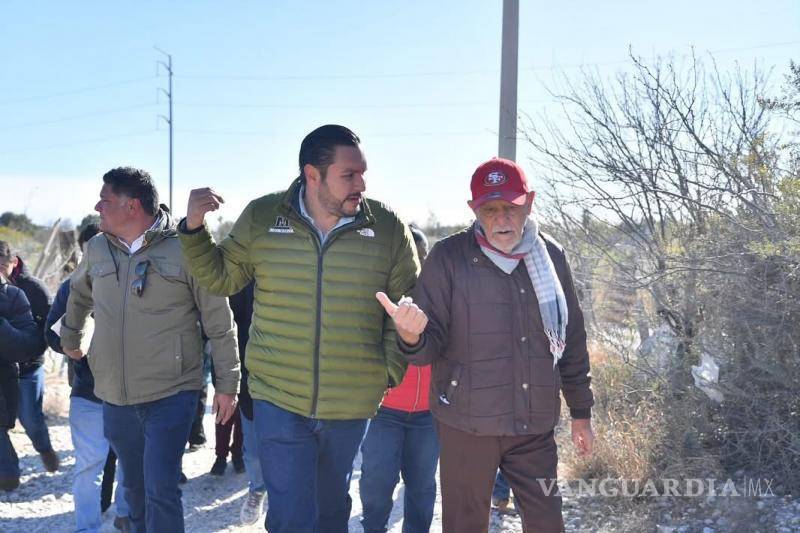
[[419, 385], [122, 335], [321, 248]]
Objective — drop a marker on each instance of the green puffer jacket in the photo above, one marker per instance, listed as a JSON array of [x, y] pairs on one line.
[[320, 345]]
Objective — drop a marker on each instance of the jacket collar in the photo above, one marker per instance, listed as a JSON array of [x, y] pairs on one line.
[[165, 228], [290, 205]]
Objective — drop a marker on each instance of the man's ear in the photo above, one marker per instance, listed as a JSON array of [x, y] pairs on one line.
[[134, 205], [311, 173]]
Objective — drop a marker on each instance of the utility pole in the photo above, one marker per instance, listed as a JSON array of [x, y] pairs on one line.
[[507, 142], [168, 120]]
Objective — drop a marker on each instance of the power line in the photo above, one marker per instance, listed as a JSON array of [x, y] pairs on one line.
[[81, 142], [446, 73], [333, 106], [77, 91], [78, 117], [303, 77], [366, 135]]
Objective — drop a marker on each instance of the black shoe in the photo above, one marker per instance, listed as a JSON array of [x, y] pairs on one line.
[[50, 460], [194, 448], [238, 465], [182, 479], [219, 466], [9, 483]]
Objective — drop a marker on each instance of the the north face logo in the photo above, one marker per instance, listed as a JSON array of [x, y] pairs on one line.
[[493, 179], [281, 225]]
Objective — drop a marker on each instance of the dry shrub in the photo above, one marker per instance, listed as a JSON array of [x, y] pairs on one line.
[[641, 431]]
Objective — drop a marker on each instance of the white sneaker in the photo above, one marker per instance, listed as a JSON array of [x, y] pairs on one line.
[[252, 508]]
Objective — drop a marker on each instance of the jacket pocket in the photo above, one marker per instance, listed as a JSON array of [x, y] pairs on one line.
[[165, 284], [449, 390], [177, 353], [102, 279], [543, 389], [104, 268]]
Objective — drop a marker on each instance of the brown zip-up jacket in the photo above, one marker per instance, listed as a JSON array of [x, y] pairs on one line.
[[492, 368], [148, 347]]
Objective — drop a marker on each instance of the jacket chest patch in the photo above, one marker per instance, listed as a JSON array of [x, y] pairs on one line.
[[366, 232], [281, 225]]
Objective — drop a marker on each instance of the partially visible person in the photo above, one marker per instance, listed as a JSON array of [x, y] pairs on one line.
[[223, 444], [86, 427], [401, 440], [252, 508], [20, 341], [31, 373], [501, 493], [497, 315], [146, 353]]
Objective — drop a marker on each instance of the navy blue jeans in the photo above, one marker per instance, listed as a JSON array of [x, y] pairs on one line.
[[31, 394], [501, 490], [399, 442], [306, 464], [149, 439]]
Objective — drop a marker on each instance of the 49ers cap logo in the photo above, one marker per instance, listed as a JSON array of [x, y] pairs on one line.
[[493, 179]]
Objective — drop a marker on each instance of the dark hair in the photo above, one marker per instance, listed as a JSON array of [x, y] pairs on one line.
[[87, 233], [319, 146], [134, 183], [420, 240], [5, 250]]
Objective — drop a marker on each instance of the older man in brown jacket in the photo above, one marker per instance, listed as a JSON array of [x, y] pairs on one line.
[[497, 316]]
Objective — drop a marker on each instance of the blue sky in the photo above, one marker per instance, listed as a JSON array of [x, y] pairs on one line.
[[418, 81]]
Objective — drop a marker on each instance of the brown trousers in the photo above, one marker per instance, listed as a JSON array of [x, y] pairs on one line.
[[467, 468]]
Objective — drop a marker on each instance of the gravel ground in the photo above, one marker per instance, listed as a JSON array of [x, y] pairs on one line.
[[43, 503]]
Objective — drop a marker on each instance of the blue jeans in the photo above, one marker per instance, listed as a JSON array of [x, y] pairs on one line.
[[501, 490], [250, 454], [9, 462], [306, 464], [91, 451], [149, 439], [399, 442], [31, 393]]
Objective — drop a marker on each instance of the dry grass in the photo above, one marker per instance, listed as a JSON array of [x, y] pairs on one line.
[[641, 431]]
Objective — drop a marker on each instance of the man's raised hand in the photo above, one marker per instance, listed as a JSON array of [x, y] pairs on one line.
[[409, 320], [201, 201]]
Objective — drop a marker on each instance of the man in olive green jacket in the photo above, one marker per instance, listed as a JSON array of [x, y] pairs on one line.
[[320, 353], [145, 352]]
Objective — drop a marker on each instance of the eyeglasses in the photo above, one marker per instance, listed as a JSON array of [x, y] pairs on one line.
[[137, 287]]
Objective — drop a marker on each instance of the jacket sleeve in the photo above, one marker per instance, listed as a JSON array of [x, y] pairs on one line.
[[574, 363], [57, 311], [225, 268], [433, 294], [40, 299], [217, 321], [79, 305], [402, 276], [20, 339]]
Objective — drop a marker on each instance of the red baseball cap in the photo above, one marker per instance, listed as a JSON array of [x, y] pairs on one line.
[[499, 179]]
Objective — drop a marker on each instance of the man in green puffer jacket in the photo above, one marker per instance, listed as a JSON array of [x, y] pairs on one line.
[[320, 353]]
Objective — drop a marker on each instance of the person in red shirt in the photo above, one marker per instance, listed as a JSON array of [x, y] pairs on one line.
[[401, 440]]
